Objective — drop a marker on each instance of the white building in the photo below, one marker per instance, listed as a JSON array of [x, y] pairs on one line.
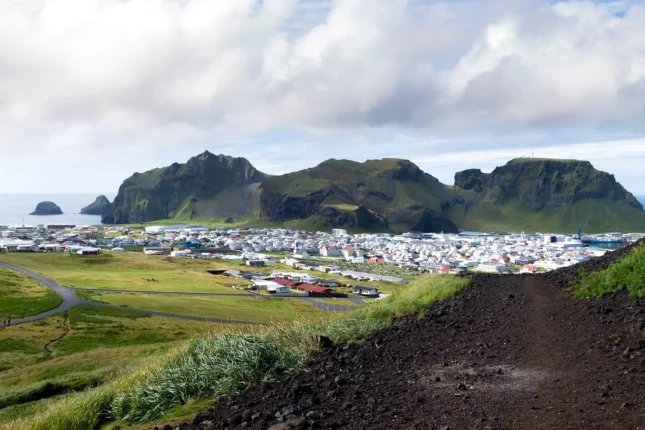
[[339, 232], [491, 268]]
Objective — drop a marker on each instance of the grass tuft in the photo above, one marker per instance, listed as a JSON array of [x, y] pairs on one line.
[[628, 272]]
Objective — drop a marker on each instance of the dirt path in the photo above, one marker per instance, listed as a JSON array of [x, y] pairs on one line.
[[510, 353], [51, 342]]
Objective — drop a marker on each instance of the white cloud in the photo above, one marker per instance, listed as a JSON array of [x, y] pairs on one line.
[[101, 76]]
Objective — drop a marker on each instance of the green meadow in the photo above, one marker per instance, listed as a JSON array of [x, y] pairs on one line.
[[21, 296]]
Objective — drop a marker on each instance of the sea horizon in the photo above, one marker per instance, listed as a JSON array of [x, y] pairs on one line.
[[16, 207]]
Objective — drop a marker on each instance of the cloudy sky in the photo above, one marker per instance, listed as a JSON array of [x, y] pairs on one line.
[[94, 90]]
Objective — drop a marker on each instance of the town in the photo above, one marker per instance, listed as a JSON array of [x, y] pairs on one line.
[[364, 257]]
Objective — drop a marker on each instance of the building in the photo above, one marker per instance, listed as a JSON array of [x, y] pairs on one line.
[[255, 263], [366, 291], [339, 232], [329, 283], [491, 268], [329, 251], [314, 289]]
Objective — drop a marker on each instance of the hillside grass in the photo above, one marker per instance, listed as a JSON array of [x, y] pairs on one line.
[[600, 218], [99, 343], [628, 272], [229, 361], [21, 296]]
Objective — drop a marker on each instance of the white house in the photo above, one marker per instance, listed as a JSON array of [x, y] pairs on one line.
[[329, 251], [300, 253]]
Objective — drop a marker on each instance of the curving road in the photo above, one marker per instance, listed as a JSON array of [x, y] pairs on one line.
[[70, 300]]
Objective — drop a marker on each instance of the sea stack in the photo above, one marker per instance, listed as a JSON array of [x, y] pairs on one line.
[[47, 208], [97, 207]]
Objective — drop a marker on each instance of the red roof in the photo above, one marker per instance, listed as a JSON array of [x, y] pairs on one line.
[[313, 288], [348, 248], [285, 282]]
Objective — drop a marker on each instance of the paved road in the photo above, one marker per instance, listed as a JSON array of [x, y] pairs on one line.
[[70, 300]]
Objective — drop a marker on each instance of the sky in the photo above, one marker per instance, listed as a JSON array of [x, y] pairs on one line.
[[92, 91]]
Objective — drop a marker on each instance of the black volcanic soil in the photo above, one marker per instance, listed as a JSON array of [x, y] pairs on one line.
[[511, 352]]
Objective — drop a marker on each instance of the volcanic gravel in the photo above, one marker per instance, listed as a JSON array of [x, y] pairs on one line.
[[511, 352]]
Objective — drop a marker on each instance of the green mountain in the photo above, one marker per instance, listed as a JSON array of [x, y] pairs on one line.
[[375, 194], [381, 195], [97, 207], [47, 208], [206, 186], [545, 195]]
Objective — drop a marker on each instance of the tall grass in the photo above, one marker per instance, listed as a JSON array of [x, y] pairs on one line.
[[230, 361], [628, 272]]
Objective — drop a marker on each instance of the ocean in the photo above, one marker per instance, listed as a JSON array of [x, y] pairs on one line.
[[15, 209]]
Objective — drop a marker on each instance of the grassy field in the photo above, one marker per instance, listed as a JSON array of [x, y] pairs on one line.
[[114, 348], [21, 296], [225, 362], [253, 309], [628, 272], [99, 344], [128, 271]]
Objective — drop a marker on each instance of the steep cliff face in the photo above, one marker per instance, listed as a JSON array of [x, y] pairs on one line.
[[548, 195], [97, 207], [206, 186], [395, 191]]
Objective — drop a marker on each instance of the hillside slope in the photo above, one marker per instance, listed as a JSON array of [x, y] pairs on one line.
[[388, 192], [546, 195], [511, 352], [206, 186]]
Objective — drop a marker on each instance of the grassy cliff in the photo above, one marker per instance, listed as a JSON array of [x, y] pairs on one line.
[[546, 195], [207, 186]]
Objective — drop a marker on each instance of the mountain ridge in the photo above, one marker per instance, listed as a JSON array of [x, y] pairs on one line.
[[381, 195]]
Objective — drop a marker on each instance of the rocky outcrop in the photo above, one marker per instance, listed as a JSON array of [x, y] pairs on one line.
[[471, 179], [47, 208], [97, 207]]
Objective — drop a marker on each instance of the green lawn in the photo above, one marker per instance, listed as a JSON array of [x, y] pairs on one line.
[[338, 301], [129, 271], [253, 309], [21, 296]]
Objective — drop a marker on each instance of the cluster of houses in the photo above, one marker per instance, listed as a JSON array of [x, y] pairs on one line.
[[287, 282], [368, 255]]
